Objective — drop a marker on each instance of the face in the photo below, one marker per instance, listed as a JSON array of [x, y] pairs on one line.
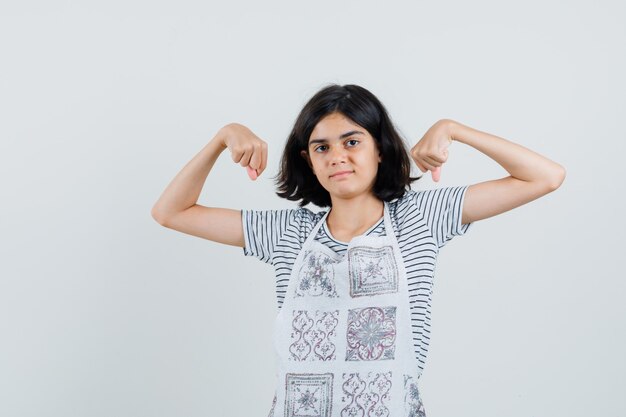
[[343, 156]]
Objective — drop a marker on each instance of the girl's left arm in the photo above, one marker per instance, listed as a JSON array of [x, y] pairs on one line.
[[532, 175]]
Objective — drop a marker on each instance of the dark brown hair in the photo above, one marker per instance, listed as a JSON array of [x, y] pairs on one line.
[[295, 179]]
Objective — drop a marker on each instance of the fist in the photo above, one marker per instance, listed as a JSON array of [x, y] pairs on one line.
[[431, 151]]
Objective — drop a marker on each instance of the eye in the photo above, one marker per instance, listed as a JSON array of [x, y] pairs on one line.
[[348, 141]]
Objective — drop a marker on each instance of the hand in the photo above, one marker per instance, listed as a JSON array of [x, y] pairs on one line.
[[246, 148], [431, 151]]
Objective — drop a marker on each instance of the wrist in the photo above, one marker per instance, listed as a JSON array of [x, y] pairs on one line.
[[220, 138], [451, 127]]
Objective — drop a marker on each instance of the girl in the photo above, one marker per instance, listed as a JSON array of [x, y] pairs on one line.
[[353, 282]]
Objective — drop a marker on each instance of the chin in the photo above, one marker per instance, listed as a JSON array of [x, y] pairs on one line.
[[347, 192]]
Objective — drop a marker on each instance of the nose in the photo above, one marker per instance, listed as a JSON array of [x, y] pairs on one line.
[[337, 155]]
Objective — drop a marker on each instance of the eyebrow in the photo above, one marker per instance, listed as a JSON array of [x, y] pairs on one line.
[[344, 135]]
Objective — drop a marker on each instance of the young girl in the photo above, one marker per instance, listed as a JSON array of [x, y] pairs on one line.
[[353, 282]]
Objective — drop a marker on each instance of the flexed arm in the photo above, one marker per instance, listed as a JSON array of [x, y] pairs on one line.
[[532, 175], [177, 207]]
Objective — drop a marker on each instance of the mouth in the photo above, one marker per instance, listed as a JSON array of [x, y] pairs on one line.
[[341, 174]]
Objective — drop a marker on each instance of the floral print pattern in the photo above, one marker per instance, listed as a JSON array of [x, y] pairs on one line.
[[325, 309], [372, 271], [367, 395], [316, 277], [412, 399], [314, 336], [308, 395], [371, 333]]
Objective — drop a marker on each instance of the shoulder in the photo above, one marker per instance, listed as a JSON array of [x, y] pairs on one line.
[[427, 203], [266, 230], [399, 206], [306, 219], [301, 215], [300, 220], [434, 198]]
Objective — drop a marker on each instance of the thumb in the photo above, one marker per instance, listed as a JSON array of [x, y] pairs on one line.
[[252, 173], [436, 174]]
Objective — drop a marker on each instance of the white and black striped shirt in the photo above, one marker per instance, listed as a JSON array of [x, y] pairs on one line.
[[424, 221]]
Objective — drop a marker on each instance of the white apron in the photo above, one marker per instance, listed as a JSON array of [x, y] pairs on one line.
[[343, 335]]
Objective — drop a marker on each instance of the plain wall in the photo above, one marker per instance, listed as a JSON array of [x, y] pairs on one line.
[[103, 312]]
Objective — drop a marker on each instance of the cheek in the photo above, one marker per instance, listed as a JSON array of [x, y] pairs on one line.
[[372, 161]]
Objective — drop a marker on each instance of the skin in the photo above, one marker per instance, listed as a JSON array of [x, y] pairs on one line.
[[531, 175], [354, 207]]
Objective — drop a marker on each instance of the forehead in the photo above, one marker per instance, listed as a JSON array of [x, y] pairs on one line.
[[333, 126]]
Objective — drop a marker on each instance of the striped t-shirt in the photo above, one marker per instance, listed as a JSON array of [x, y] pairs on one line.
[[423, 221]]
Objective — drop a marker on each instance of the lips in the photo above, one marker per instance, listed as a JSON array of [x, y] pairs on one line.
[[340, 174]]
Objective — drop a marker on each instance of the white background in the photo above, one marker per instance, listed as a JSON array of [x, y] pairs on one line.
[[103, 312]]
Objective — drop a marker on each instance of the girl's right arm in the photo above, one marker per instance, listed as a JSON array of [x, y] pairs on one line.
[[177, 207]]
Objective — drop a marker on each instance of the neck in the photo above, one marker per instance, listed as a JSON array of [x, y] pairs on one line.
[[354, 216]]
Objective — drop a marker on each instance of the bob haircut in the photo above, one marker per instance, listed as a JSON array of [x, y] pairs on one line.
[[295, 179]]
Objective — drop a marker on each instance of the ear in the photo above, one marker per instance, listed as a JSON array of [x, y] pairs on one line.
[[305, 155], [380, 158]]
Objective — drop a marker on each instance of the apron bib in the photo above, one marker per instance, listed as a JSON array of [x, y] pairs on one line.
[[342, 337]]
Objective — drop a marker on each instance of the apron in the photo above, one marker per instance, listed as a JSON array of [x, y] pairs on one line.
[[342, 338]]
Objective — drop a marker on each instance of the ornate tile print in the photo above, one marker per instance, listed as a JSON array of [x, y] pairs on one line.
[[271, 414], [316, 276], [371, 333], [412, 399], [366, 396], [314, 334], [372, 271], [308, 395]]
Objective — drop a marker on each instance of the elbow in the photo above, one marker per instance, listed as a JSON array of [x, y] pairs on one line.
[[157, 216], [558, 178]]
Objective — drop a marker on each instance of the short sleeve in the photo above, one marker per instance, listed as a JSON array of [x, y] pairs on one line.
[[262, 229], [443, 211]]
